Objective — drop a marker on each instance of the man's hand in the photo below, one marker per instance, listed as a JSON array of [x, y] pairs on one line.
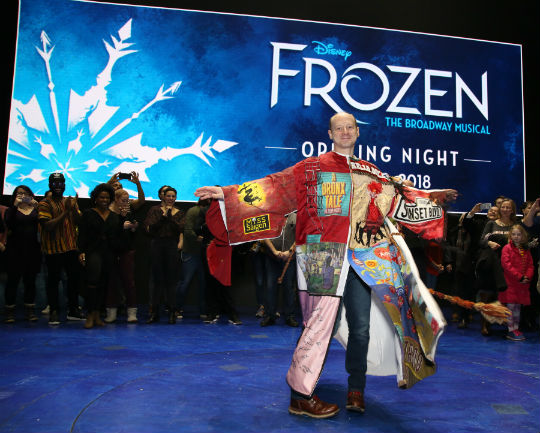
[[134, 178], [444, 196], [114, 178], [451, 195], [284, 255], [535, 207], [214, 192], [71, 204], [493, 245], [68, 204], [475, 209]]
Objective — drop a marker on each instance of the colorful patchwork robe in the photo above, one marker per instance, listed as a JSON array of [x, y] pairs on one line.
[[343, 206]]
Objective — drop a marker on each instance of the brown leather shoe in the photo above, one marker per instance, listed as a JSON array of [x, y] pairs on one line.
[[355, 401], [314, 407]]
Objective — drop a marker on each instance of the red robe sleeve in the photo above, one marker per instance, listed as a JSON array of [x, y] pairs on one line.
[[421, 211], [254, 210]]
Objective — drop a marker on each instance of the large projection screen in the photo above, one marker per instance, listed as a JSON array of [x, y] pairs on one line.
[[190, 98]]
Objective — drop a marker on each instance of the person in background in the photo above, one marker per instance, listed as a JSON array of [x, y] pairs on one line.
[[531, 223], [161, 193], [279, 250], [122, 275], [165, 224], [191, 256], [58, 219], [133, 177], [517, 264], [493, 213], [499, 200], [463, 250], [257, 258], [99, 234], [123, 270], [434, 263], [489, 272], [23, 252], [219, 297]]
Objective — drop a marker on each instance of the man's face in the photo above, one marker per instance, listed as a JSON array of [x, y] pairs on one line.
[[117, 185], [344, 133], [57, 187]]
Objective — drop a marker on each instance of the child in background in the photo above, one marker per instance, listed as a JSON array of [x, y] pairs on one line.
[[518, 270]]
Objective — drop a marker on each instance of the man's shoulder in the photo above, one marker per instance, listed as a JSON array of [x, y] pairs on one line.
[[327, 157], [45, 206], [193, 211]]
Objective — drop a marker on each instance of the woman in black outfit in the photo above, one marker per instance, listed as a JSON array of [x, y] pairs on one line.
[[489, 272], [165, 224], [99, 238], [23, 253]]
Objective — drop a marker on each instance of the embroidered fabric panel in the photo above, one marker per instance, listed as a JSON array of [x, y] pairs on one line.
[[383, 268], [372, 201], [310, 353], [333, 194], [417, 211], [321, 263], [257, 209]]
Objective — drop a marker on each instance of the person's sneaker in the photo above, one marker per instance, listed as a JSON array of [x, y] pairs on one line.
[[111, 313], [29, 313], [53, 318], [210, 318], [268, 321], [132, 315], [46, 310], [179, 314], [516, 335], [10, 314], [291, 321], [75, 314], [260, 312], [234, 320]]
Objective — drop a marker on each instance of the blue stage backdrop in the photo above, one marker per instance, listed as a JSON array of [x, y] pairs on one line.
[[194, 98]]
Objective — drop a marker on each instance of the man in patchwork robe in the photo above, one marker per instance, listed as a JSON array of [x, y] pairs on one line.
[[374, 303]]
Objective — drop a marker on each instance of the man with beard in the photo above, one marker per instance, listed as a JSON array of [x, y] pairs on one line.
[[58, 217]]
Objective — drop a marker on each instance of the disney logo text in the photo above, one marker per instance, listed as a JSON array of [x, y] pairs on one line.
[[322, 49]]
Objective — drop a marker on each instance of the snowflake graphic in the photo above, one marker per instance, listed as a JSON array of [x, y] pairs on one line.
[[38, 147]]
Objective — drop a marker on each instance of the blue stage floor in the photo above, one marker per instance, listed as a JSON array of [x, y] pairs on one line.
[[192, 377]]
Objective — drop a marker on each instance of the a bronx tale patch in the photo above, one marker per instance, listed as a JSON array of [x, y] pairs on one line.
[[333, 193]]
